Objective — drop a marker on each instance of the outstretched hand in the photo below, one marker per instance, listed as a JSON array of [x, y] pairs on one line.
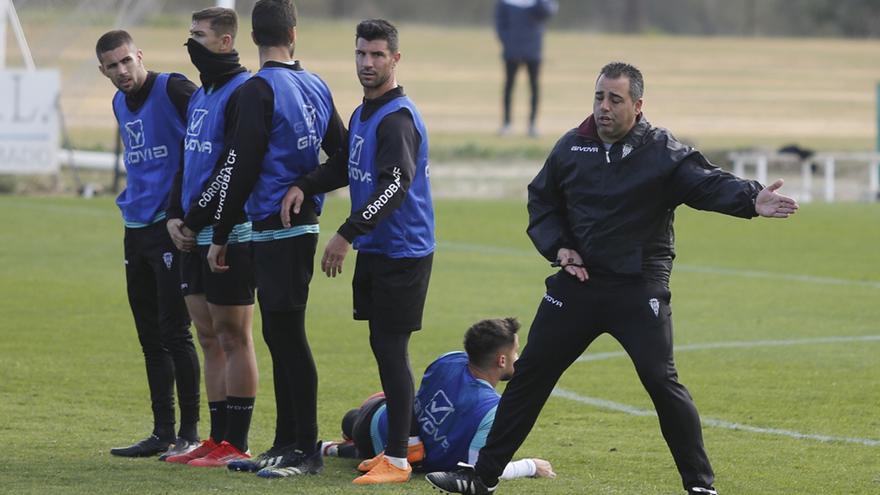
[[771, 204], [543, 469]]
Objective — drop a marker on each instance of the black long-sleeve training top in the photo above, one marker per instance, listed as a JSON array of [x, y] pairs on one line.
[[175, 208], [616, 207], [253, 105], [398, 144]]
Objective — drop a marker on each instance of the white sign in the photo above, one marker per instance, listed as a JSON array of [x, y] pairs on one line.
[[29, 121]]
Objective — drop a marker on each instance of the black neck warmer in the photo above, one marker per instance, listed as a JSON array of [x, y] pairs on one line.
[[214, 68]]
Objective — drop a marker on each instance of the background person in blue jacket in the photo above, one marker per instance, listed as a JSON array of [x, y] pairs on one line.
[[520, 27], [454, 407], [151, 110], [391, 225], [602, 210]]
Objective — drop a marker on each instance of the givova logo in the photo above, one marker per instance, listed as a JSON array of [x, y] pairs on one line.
[[137, 151], [585, 149], [195, 122], [354, 155], [552, 300], [439, 408], [311, 136], [190, 143], [310, 115], [134, 130]]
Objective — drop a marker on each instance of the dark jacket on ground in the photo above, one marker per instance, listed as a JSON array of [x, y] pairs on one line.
[[520, 27], [616, 207]]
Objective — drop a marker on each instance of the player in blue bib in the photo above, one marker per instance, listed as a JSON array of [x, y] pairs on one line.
[[221, 304], [151, 111], [391, 225], [454, 406], [284, 118]]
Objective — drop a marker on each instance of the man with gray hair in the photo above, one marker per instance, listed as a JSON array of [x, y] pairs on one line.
[[601, 210]]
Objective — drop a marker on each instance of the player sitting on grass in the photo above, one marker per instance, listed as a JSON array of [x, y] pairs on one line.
[[453, 411]]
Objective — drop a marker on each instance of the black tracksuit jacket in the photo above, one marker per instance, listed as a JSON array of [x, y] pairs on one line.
[[616, 208]]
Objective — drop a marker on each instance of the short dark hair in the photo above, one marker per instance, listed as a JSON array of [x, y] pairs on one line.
[[615, 70], [486, 337], [272, 20], [378, 29], [223, 20], [112, 40]]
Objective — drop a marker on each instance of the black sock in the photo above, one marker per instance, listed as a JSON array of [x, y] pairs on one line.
[[218, 420], [164, 431], [238, 420], [189, 431]]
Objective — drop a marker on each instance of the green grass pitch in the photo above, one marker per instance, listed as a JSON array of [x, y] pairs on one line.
[[792, 309]]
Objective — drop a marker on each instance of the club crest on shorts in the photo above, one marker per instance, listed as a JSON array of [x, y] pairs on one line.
[[655, 305], [168, 258]]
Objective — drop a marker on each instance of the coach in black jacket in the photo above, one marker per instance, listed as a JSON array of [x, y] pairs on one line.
[[602, 209]]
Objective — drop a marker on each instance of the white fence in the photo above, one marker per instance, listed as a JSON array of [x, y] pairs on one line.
[[866, 165], [864, 168]]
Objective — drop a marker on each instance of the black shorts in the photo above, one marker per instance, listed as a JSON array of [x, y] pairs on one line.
[[235, 287], [391, 292], [283, 270]]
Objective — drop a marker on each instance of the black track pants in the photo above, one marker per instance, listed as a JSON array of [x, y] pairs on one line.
[[571, 315], [152, 276], [511, 67]]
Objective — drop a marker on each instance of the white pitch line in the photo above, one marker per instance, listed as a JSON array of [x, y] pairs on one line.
[[600, 356], [792, 277], [715, 423], [777, 276]]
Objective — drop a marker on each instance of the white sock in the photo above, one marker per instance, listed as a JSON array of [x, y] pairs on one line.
[[398, 462]]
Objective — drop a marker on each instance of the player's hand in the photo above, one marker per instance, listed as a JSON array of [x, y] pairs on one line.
[[571, 262], [771, 204], [543, 469], [217, 258], [334, 255], [183, 238], [292, 201]]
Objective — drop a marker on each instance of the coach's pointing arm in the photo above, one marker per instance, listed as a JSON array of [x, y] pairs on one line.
[[701, 185]]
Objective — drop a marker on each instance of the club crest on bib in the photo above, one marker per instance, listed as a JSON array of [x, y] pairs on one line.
[[655, 306], [168, 258]]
